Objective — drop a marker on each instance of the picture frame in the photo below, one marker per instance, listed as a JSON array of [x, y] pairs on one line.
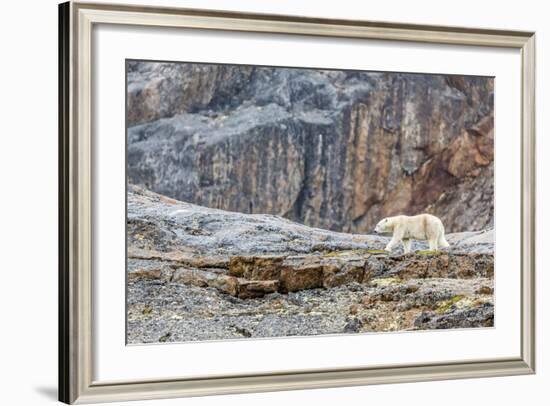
[[76, 215]]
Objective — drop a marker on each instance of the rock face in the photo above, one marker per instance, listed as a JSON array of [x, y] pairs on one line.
[[331, 149], [196, 273]]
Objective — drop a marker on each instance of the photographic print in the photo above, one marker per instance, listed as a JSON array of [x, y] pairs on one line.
[[278, 202]]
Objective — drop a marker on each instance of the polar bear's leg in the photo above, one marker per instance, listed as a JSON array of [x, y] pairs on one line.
[[433, 244], [407, 246], [396, 238], [443, 242], [393, 242]]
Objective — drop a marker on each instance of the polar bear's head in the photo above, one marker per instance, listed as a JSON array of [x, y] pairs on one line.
[[384, 226]]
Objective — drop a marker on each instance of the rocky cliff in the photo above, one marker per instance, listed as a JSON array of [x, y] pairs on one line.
[[330, 149], [196, 273]]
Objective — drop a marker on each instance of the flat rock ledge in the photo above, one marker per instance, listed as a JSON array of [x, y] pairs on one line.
[[255, 276]]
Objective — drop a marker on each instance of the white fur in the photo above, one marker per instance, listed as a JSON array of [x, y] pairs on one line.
[[405, 228]]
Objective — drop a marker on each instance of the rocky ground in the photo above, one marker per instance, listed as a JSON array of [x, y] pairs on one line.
[[196, 273]]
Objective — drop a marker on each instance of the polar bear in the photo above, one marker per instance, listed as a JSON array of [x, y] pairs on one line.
[[420, 227]]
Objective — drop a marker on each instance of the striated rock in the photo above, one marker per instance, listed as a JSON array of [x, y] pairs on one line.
[[238, 287], [202, 278], [334, 275], [252, 289], [300, 277], [248, 277], [256, 268], [184, 258], [444, 265], [299, 272], [146, 274], [326, 260], [327, 270], [159, 89], [148, 269], [330, 149], [196, 273]]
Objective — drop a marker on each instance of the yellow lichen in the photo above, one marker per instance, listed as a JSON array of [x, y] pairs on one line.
[[358, 251], [446, 305], [377, 251], [428, 252]]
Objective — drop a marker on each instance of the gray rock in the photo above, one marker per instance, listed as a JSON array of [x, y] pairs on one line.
[[196, 273], [479, 316], [353, 326], [332, 149]]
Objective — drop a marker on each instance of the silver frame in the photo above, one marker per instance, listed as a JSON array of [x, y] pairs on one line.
[[76, 21]]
